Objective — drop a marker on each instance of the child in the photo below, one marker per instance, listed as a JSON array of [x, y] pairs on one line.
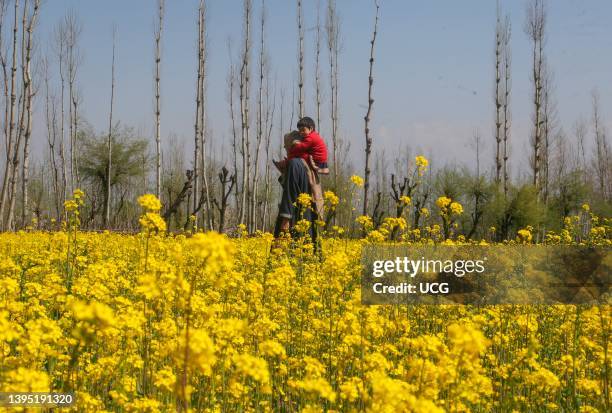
[[310, 148]]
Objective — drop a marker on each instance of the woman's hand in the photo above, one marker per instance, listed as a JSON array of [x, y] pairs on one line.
[[284, 225]]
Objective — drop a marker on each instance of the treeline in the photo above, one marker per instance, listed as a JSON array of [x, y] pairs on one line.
[[220, 189]]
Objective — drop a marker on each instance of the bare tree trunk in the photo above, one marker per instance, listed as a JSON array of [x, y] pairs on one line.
[[224, 180], [548, 125], [265, 225], [244, 112], [281, 122], [269, 124], [196, 154], [561, 159], [260, 131], [75, 119], [300, 58], [5, 79], [580, 131], [266, 200], [535, 28], [476, 190], [60, 38], [11, 141], [158, 33], [62, 160], [477, 140], [28, 94], [206, 188], [368, 137], [333, 29], [498, 96], [292, 110], [21, 127], [607, 168], [506, 101], [51, 140], [601, 159], [231, 79], [110, 139], [318, 66], [203, 129], [72, 30], [538, 122]]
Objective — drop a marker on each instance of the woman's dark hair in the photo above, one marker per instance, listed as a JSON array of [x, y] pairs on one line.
[[306, 122]]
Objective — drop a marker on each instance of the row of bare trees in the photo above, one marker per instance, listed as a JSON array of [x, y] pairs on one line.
[[69, 137], [17, 123], [553, 170], [535, 25], [115, 166], [252, 138], [546, 132], [502, 98]]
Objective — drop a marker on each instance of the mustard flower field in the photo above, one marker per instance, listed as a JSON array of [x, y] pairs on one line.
[[155, 321]]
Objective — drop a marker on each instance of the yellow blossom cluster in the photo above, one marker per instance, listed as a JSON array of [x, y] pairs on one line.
[[357, 180], [421, 163], [150, 202], [448, 206], [331, 199], [365, 222], [524, 235], [150, 220], [158, 321], [405, 200], [304, 201]]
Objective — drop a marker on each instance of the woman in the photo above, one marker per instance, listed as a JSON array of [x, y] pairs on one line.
[[298, 177], [295, 182]]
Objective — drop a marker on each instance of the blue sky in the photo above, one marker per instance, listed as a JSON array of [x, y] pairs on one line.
[[433, 69]]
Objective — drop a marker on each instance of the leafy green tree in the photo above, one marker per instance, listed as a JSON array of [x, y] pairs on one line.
[[520, 209], [571, 193], [479, 194], [447, 182], [130, 161]]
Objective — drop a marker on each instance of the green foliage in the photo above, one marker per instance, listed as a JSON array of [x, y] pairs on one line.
[[568, 199], [601, 207], [478, 198], [130, 163], [447, 182], [521, 208], [128, 156]]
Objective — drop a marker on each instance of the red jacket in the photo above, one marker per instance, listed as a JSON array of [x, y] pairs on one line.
[[313, 145]]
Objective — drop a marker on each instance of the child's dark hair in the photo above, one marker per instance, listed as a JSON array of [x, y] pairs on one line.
[[306, 122]]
